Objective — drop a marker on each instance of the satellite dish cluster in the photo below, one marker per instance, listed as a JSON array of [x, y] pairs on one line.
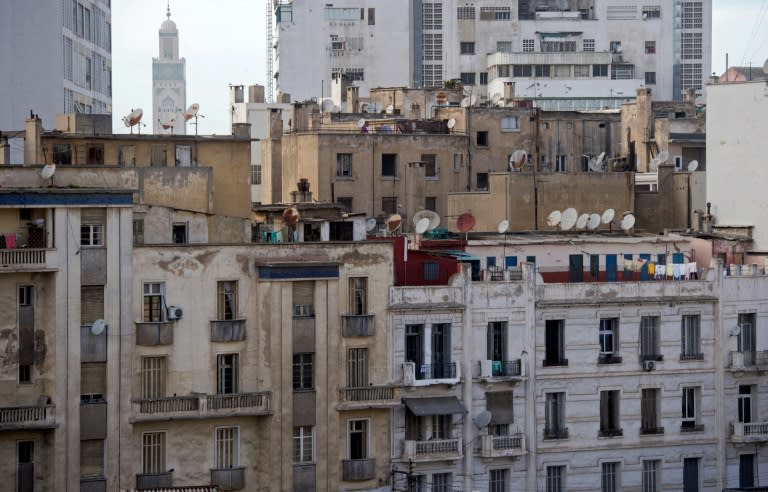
[[570, 219], [663, 157]]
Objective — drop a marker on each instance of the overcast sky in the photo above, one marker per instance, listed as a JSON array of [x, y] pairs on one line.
[[224, 43]]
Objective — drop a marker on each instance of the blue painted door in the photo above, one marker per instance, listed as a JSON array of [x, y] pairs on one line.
[[610, 268]]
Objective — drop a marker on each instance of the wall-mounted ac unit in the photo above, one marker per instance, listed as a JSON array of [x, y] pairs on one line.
[[649, 365], [174, 312]]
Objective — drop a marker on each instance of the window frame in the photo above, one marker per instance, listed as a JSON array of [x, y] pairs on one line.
[[153, 377], [610, 476], [690, 337], [608, 336], [358, 296], [155, 442], [221, 448], [227, 302], [389, 165], [303, 371], [153, 292], [554, 415], [510, 123], [92, 235], [303, 435], [555, 478], [366, 433], [691, 404], [344, 165], [228, 373], [651, 475], [466, 47]]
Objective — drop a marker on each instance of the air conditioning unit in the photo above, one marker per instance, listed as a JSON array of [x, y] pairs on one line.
[[304, 310], [174, 312], [649, 365]]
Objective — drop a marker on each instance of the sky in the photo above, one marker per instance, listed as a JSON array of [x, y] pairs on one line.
[[224, 42]]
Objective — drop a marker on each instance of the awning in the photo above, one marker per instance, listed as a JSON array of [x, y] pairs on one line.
[[437, 405]]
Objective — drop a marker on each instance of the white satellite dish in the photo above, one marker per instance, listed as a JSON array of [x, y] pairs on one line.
[[693, 165], [628, 222], [134, 117], [422, 226], [581, 222], [48, 171], [464, 102], [168, 124], [191, 111], [593, 222], [98, 326], [608, 216], [503, 226], [373, 107], [370, 224], [390, 109], [568, 219], [451, 123], [654, 164], [597, 165], [327, 106], [483, 419], [517, 159], [434, 219], [554, 218], [663, 156], [361, 122]]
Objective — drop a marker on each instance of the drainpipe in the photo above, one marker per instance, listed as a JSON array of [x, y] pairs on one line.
[[469, 147], [466, 369]]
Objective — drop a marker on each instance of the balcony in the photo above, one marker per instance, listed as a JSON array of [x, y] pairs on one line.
[[27, 418], [368, 397], [228, 478], [154, 480], [357, 470], [153, 333], [27, 259], [432, 450], [749, 432], [559, 433], [361, 325], [498, 370], [749, 361], [202, 407], [429, 374], [229, 330], [502, 446]]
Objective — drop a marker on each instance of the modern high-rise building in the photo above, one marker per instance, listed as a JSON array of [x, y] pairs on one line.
[[169, 86], [55, 57], [544, 49]]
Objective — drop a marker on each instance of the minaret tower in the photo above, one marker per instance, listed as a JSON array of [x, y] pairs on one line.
[[169, 86]]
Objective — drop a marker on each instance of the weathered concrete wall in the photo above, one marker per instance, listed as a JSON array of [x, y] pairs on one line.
[[667, 208], [182, 188]]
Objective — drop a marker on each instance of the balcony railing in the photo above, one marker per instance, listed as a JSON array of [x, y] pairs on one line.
[[30, 417], [202, 407], [435, 449], [23, 258], [749, 361], [356, 470], [500, 368], [559, 433], [228, 330], [154, 480], [427, 374], [497, 446], [357, 325], [750, 432], [368, 397], [152, 333], [228, 478]]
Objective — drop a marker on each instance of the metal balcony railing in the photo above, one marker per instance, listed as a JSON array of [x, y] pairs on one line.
[[367, 393], [228, 478], [360, 469], [361, 325]]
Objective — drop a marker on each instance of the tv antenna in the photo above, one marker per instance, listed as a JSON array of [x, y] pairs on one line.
[[167, 125], [48, 171], [422, 225], [593, 222], [394, 222], [134, 118], [654, 164], [98, 327], [192, 112], [370, 224], [451, 123], [627, 223], [663, 156], [597, 164]]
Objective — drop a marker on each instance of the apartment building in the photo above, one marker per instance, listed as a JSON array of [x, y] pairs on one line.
[[56, 58]]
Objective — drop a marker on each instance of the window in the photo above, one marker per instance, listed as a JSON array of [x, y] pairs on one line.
[[179, 233], [609, 477], [520, 70], [389, 165], [599, 70], [358, 296], [615, 46], [341, 14], [691, 399], [153, 452], [92, 458], [389, 204], [588, 45], [93, 381], [126, 155], [138, 232], [371, 16], [227, 369], [608, 336], [529, 45], [94, 154], [622, 72], [506, 46], [226, 293], [468, 78], [226, 447], [747, 469], [154, 302], [482, 181], [690, 75], [746, 339], [649, 338], [92, 235], [357, 367], [510, 124], [650, 47], [483, 78], [442, 482], [465, 13], [496, 345], [358, 439], [690, 338], [554, 343], [495, 13], [346, 204], [691, 474], [691, 45], [432, 15], [541, 70], [556, 478], [343, 165], [558, 46], [482, 139], [152, 377], [303, 444], [651, 478], [62, 154], [431, 271], [609, 414], [458, 161], [745, 404], [692, 15], [498, 480], [183, 155], [650, 78], [649, 412], [652, 12], [430, 203], [561, 165], [303, 371], [256, 174], [581, 71], [467, 48], [554, 415], [159, 157]]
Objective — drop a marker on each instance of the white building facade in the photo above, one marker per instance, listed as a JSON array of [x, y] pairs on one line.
[[169, 86], [55, 57]]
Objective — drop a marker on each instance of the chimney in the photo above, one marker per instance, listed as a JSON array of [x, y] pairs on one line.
[[33, 140], [5, 151], [509, 91], [303, 195], [353, 99]]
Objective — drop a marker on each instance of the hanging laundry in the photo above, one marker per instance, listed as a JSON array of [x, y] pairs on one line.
[[10, 241], [651, 268]]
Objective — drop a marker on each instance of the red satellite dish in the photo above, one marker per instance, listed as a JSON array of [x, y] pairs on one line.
[[394, 222], [290, 216], [465, 222]]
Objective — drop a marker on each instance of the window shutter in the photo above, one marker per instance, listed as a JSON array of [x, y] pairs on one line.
[[91, 304], [303, 293], [93, 378], [500, 406], [93, 216], [92, 458]]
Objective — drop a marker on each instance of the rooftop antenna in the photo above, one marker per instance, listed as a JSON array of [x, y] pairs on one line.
[[654, 164], [422, 225], [568, 219], [554, 218], [663, 156], [451, 123], [167, 125], [502, 229], [465, 223], [597, 165], [192, 112], [98, 327], [133, 118], [291, 218]]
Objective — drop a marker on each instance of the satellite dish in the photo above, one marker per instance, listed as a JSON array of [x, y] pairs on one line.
[[48, 171], [434, 219], [496, 98], [597, 164], [390, 109], [98, 326], [593, 222], [581, 222], [290, 216], [608, 216], [465, 102], [465, 222], [663, 156], [191, 111], [736, 331], [503, 226], [168, 124], [554, 218], [693, 165], [517, 159], [451, 123], [394, 222], [373, 107], [628, 222], [422, 226], [133, 118], [327, 106], [568, 219], [361, 122], [370, 224], [482, 419], [654, 164]]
